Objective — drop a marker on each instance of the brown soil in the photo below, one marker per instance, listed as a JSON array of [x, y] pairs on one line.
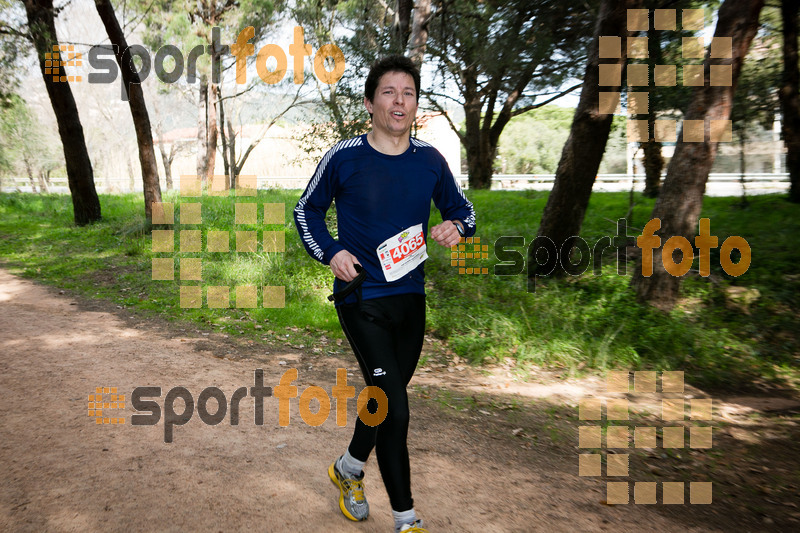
[[488, 453]]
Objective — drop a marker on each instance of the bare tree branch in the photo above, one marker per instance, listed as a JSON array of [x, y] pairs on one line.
[[521, 110], [239, 163], [388, 9], [452, 126], [8, 30], [249, 88], [447, 96]]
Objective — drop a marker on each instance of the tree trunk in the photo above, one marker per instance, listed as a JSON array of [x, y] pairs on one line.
[[790, 96], [743, 165], [481, 135], [402, 21], [211, 139], [479, 167], [224, 139], [131, 180], [681, 199], [141, 119], [232, 155], [85, 203], [419, 31], [202, 129], [653, 160], [243, 159], [166, 159], [480, 161], [583, 151], [29, 171], [653, 164], [43, 185]]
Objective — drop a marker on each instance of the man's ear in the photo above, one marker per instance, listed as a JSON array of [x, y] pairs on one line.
[[368, 105]]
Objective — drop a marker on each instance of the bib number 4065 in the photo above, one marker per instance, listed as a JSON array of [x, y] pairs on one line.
[[400, 252]]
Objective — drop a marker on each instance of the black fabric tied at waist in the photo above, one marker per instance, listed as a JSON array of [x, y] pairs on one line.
[[355, 284]]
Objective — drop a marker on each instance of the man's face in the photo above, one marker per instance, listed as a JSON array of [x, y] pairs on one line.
[[394, 105]]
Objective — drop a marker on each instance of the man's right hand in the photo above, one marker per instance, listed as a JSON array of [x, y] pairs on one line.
[[342, 265]]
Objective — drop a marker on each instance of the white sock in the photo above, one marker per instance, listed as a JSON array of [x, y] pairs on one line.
[[350, 466], [402, 518]]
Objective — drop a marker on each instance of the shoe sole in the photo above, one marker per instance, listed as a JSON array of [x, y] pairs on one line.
[[345, 512]]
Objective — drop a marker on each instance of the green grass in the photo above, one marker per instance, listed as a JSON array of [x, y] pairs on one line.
[[584, 322], [112, 260], [594, 320]]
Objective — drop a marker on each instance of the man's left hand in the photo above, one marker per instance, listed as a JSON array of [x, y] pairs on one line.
[[446, 233]]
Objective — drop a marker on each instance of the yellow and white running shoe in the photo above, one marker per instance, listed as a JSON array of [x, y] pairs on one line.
[[352, 501], [416, 527]]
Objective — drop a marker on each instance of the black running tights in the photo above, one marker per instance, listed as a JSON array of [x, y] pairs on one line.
[[386, 335]]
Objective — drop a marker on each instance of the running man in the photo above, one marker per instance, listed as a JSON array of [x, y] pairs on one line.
[[383, 183]]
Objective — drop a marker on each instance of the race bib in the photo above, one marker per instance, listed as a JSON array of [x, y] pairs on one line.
[[402, 253]]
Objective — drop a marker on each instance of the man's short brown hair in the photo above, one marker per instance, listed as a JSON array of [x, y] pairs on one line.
[[393, 63]]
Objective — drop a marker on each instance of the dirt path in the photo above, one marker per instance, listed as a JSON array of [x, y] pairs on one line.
[[63, 472]]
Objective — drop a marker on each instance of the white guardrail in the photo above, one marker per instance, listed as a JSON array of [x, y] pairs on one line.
[[718, 184], [728, 184]]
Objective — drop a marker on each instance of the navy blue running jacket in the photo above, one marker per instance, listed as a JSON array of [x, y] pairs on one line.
[[378, 196]]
